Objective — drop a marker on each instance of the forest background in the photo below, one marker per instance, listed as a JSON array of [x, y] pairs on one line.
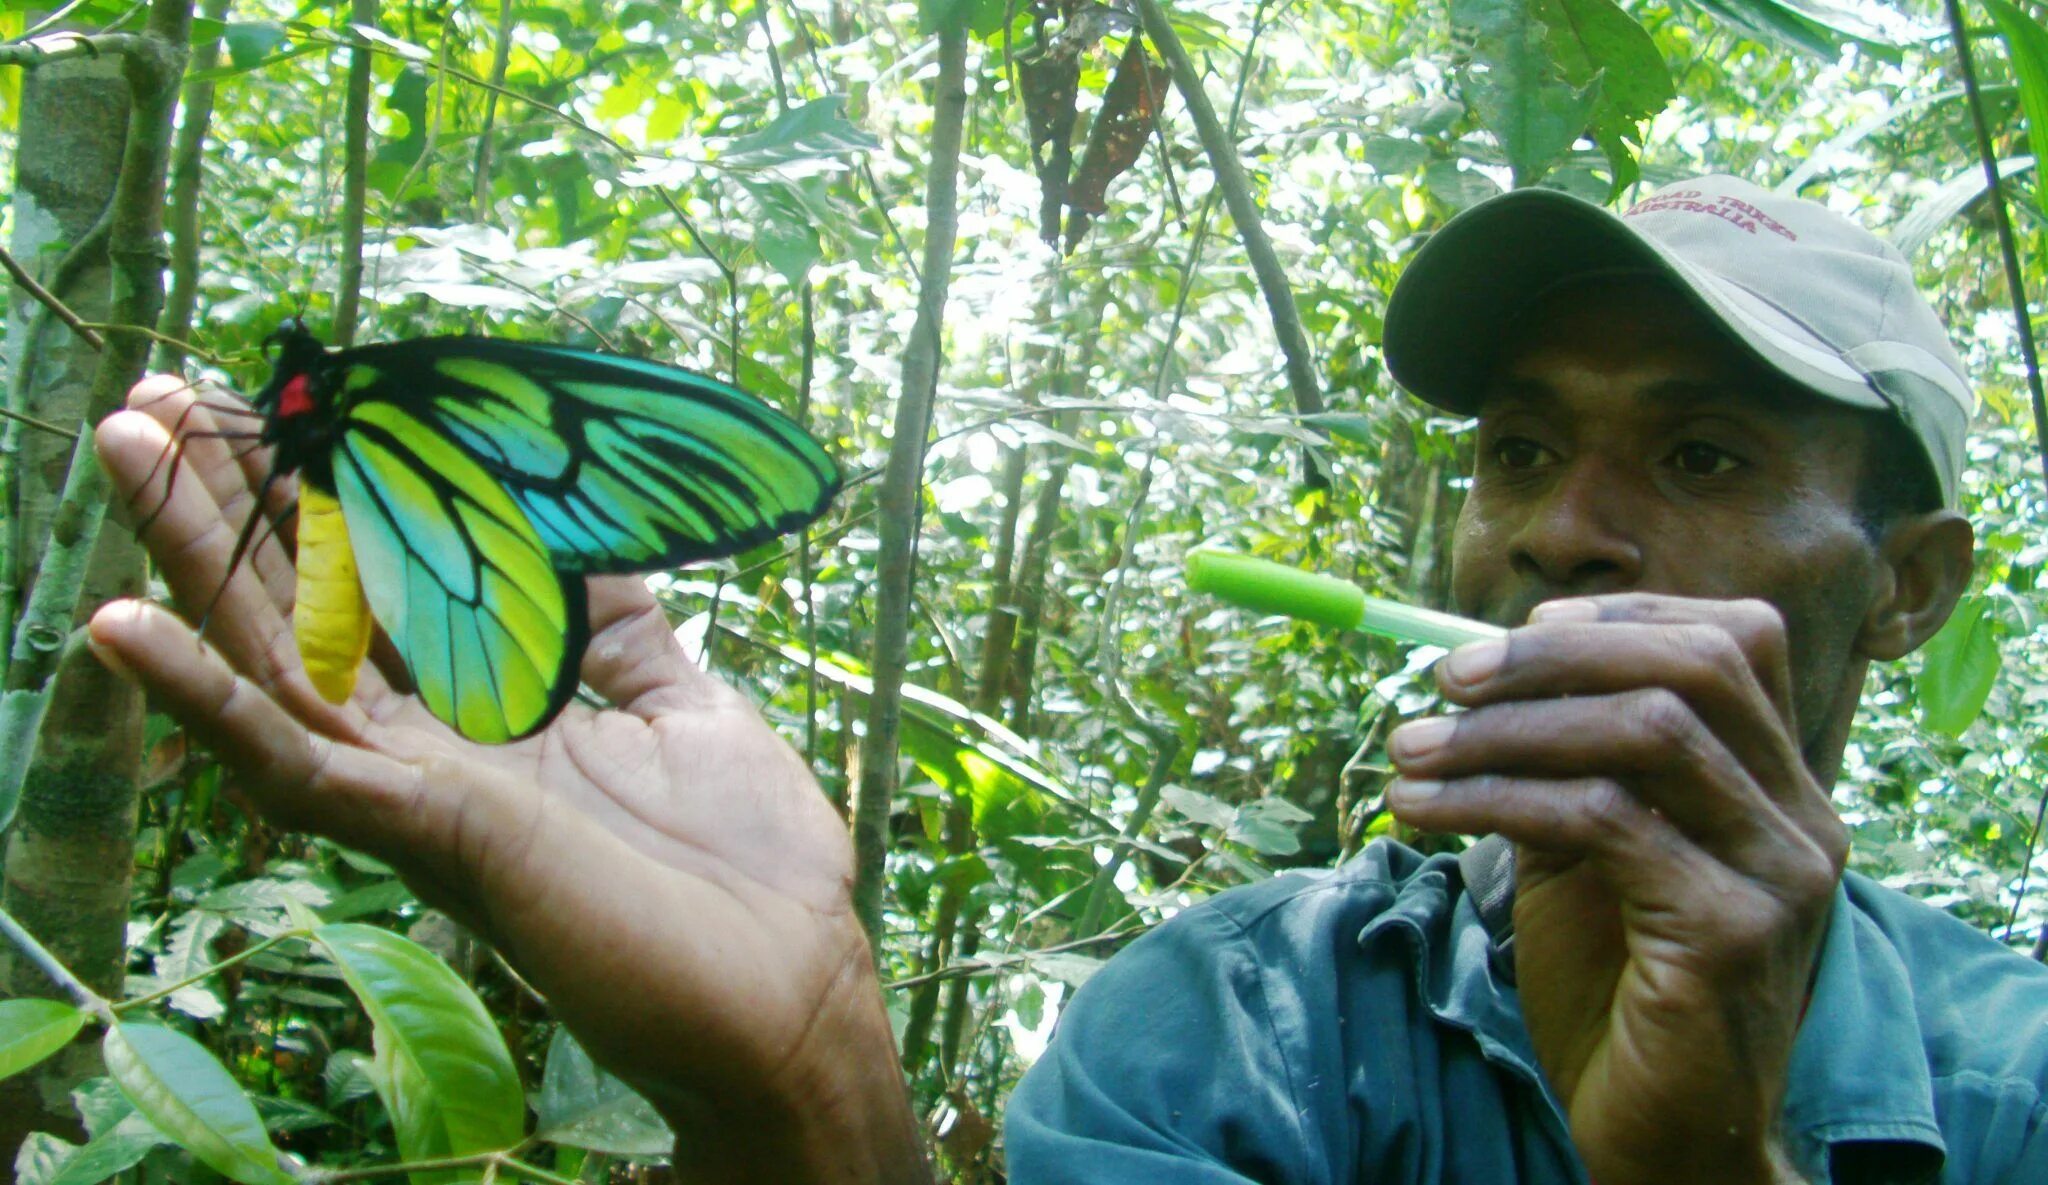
[[1070, 288]]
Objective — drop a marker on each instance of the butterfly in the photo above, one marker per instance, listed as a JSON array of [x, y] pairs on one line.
[[459, 489]]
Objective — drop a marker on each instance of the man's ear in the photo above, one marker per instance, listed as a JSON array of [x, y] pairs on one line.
[[1924, 563]]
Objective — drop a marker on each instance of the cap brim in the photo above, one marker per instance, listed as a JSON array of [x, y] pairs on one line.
[[1457, 301]]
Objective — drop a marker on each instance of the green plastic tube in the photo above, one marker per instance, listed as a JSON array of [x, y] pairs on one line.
[[1267, 587]]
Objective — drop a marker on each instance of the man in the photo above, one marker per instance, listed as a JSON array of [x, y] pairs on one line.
[[1716, 443]]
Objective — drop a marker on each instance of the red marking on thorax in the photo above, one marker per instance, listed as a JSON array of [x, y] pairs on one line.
[[294, 400]]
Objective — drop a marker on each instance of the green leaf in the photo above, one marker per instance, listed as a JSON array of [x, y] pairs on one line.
[[189, 1096], [817, 131], [1520, 91], [32, 1029], [1269, 826], [250, 42], [441, 1065], [2026, 43], [1595, 42], [1349, 425], [1458, 188], [1955, 195], [784, 233], [1958, 667], [582, 1106], [1810, 29], [46, 1160]]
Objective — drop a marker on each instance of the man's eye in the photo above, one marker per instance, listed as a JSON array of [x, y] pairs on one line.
[[1519, 452], [1698, 459]]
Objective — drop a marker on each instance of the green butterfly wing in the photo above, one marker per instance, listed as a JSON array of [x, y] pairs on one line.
[[457, 576], [620, 465]]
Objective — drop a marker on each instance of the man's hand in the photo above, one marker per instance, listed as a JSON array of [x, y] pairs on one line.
[[665, 871], [1676, 863]]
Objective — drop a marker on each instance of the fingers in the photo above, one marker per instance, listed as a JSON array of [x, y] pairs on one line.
[[221, 451], [1704, 664], [634, 659], [1683, 706], [298, 777], [436, 819], [192, 544], [1649, 741]]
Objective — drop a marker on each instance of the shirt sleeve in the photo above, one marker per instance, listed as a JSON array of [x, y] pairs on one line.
[[1167, 1067]]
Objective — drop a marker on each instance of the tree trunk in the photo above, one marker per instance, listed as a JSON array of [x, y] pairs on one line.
[[69, 855]]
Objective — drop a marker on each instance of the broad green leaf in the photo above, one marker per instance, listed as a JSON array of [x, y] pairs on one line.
[[32, 1028], [249, 43], [583, 1106], [1519, 89], [784, 234], [817, 131], [1958, 667], [53, 1162], [1269, 826], [1197, 807], [441, 1065], [1814, 28], [1596, 42], [189, 1096], [1392, 154], [2026, 43], [1955, 195], [1350, 425]]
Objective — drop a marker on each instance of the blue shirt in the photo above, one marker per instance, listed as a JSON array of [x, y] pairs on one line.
[[1347, 1027]]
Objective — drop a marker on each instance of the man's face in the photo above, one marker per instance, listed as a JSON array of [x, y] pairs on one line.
[[1625, 445]]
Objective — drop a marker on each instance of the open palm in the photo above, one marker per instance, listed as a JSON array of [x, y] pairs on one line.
[[665, 871]]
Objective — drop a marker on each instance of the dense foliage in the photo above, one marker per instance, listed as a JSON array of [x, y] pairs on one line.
[[1088, 748]]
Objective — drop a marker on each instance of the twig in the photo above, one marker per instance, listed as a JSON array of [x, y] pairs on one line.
[[355, 173], [210, 972], [899, 501], [57, 972], [1237, 193], [2015, 285], [49, 300], [499, 1161], [38, 52], [182, 206], [501, 61], [983, 966], [39, 425]]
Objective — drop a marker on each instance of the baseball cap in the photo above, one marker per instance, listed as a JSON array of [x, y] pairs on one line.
[[1816, 298]]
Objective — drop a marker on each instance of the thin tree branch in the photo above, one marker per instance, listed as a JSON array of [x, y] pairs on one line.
[[501, 61], [183, 214], [29, 421], [1237, 193], [49, 965], [355, 172], [904, 480], [49, 300], [2016, 286], [56, 47]]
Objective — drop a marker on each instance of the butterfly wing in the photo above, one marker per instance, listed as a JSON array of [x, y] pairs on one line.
[[620, 465], [457, 576]]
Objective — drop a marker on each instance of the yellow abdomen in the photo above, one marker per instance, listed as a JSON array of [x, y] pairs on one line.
[[330, 616]]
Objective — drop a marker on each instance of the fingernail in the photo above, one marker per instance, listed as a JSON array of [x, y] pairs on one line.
[[1566, 611], [1409, 790], [109, 659], [1475, 662], [1420, 738]]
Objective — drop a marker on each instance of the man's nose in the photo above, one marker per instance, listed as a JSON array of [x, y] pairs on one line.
[[1579, 538]]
